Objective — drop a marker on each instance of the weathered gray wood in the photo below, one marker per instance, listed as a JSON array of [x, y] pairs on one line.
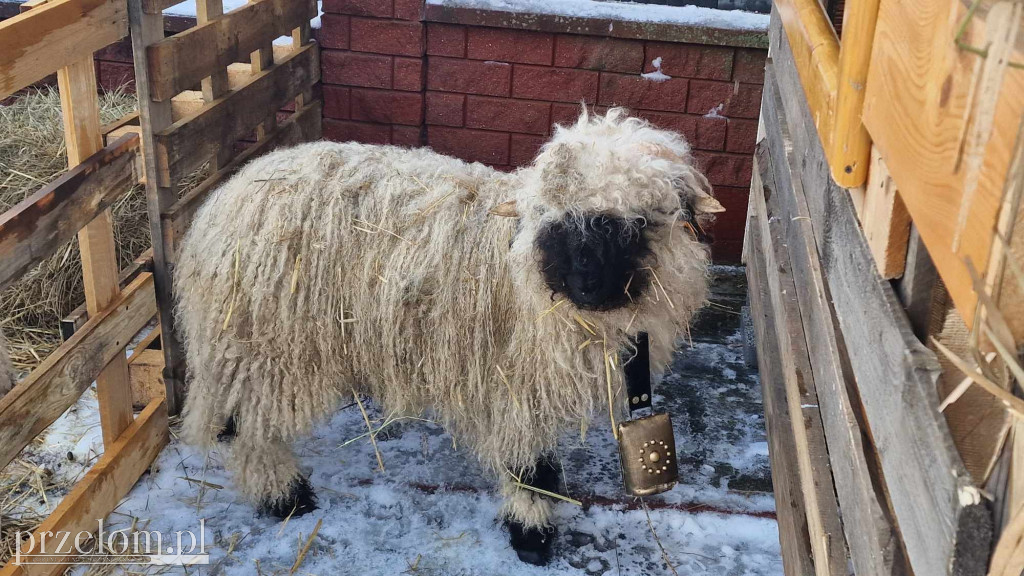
[[917, 286], [870, 531], [40, 224], [60, 380], [789, 500], [185, 145], [945, 524], [826, 534]]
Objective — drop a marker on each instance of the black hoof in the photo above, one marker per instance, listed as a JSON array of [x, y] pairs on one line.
[[300, 500], [532, 545], [228, 432]]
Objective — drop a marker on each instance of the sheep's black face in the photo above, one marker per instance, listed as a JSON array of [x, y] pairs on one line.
[[594, 264]]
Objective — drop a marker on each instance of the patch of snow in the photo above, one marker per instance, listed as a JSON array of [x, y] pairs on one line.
[[715, 112], [657, 75], [623, 11], [188, 8]]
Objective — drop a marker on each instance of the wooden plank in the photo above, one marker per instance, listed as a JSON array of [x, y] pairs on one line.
[[80, 110], [58, 382], [33, 229], [917, 288], [79, 316], [39, 42], [849, 144], [147, 29], [98, 493], [885, 220], [302, 126], [184, 146], [871, 532], [824, 527], [129, 119], [945, 526], [789, 499], [181, 61], [922, 111]]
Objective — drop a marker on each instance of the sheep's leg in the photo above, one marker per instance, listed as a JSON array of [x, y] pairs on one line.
[[267, 473], [528, 513]]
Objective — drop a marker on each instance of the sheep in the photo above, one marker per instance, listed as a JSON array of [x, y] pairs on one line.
[[496, 301]]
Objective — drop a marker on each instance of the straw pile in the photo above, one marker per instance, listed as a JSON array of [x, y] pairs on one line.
[[32, 153]]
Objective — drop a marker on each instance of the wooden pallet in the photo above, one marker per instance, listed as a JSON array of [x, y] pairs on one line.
[[60, 36], [184, 129]]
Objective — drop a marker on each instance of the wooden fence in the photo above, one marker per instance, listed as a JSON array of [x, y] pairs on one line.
[[184, 130], [60, 36]]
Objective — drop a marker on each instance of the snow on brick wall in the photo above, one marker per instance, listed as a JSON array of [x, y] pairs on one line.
[[391, 74]]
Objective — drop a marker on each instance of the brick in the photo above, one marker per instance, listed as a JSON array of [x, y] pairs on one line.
[[555, 84], [446, 40], [594, 53], [565, 114], [640, 93], [508, 115], [702, 133], [336, 102], [408, 136], [727, 230], [387, 107], [742, 136], [724, 169], [509, 45], [120, 51], [334, 31], [409, 9], [345, 131], [469, 76], [378, 8], [749, 66], [387, 37], [408, 74], [353, 69], [730, 99], [444, 108], [115, 75], [726, 252], [524, 148], [470, 145], [691, 60]]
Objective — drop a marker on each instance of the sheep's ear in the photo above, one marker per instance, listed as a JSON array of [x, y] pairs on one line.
[[505, 210], [704, 203]]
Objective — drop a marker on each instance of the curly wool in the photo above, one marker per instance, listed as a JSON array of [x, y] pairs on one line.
[[331, 269]]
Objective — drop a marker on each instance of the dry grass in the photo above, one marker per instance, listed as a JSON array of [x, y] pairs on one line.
[[32, 153]]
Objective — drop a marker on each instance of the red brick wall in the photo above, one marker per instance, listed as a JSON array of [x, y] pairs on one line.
[[490, 94]]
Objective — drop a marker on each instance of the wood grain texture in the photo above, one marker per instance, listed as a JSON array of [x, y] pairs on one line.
[[185, 145], [823, 524], [181, 61], [34, 228], [302, 126], [39, 42], [147, 374], [919, 109], [848, 144], [80, 110], [885, 220], [97, 494], [58, 382], [871, 532], [945, 526], [790, 508]]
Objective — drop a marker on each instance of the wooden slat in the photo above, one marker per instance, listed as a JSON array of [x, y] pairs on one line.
[[97, 494], [849, 144], [147, 29], [58, 382], [823, 524], [920, 108], [185, 145], [302, 126], [885, 220], [917, 288], [871, 532], [33, 229], [79, 316], [790, 508], [945, 527], [39, 42], [178, 63]]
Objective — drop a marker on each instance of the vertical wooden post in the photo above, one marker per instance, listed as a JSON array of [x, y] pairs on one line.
[[154, 117], [261, 60], [80, 107]]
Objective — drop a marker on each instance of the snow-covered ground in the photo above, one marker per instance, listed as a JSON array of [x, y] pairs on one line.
[[433, 512]]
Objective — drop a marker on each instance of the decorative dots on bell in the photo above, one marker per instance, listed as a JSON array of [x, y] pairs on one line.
[[636, 400], [643, 397]]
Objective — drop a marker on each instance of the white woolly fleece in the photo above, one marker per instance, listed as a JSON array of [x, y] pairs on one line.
[[328, 269]]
